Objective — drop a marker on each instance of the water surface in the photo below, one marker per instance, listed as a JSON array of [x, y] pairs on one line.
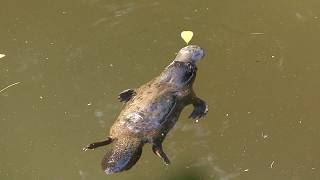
[[70, 59]]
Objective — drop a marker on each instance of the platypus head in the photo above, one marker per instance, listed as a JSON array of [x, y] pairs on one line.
[[190, 54], [123, 155], [182, 71]]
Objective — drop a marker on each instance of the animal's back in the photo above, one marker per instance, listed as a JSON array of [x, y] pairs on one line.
[[147, 111]]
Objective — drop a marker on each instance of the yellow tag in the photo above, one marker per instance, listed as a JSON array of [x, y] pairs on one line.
[[187, 36], [2, 55]]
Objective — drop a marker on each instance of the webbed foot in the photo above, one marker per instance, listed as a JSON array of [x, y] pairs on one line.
[[98, 144], [126, 95], [200, 108], [157, 149]]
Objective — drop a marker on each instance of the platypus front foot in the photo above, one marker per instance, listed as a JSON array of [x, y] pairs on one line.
[[98, 144], [200, 108], [157, 149], [126, 95]]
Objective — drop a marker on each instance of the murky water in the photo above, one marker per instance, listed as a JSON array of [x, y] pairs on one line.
[[70, 59]]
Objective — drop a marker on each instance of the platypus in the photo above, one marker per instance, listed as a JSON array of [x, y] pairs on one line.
[[151, 110]]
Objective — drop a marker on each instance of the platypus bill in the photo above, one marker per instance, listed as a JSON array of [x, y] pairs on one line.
[[151, 111]]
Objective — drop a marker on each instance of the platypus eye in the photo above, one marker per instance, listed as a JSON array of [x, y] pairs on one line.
[[190, 67], [179, 73], [189, 72]]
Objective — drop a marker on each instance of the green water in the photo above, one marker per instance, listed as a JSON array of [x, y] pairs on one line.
[[70, 59]]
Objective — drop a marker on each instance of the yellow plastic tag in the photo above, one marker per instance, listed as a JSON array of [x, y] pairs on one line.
[[187, 36], [2, 55]]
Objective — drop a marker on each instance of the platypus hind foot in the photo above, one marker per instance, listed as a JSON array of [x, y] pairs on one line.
[[157, 149], [98, 144], [126, 95]]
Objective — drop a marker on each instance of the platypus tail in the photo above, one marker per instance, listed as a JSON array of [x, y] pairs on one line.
[[124, 154]]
